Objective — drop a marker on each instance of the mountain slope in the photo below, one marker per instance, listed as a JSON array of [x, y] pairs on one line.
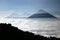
[[42, 14]]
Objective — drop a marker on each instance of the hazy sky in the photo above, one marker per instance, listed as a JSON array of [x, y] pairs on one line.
[[27, 7]]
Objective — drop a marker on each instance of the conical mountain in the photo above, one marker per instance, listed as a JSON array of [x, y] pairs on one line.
[[42, 14]]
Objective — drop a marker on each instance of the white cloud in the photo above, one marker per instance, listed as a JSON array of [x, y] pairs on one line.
[[5, 13], [58, 16]]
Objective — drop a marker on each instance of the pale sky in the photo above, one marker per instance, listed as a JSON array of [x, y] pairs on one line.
[[28, 7]]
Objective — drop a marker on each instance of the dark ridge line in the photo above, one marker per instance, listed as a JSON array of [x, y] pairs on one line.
[[11, 32], [42, 15]]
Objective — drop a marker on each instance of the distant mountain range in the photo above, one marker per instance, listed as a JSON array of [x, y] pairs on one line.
[[14, 15], [39, 14], [42, 14]]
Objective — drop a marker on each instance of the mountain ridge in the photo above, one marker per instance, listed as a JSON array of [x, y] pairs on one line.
[[42, 14]]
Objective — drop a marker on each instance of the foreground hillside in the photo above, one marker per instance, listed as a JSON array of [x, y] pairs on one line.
[[7, 31]]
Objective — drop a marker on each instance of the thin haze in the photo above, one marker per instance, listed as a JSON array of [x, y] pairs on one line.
[[28, 7]]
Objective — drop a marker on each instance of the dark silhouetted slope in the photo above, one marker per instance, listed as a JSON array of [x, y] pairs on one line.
[[10, 32], [42, 14]]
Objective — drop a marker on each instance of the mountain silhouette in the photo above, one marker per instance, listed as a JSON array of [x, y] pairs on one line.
[[16, 15], [42, 14], [13, 15], [7, 31]]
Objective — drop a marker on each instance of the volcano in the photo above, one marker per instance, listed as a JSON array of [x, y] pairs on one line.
[[42, 14]]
